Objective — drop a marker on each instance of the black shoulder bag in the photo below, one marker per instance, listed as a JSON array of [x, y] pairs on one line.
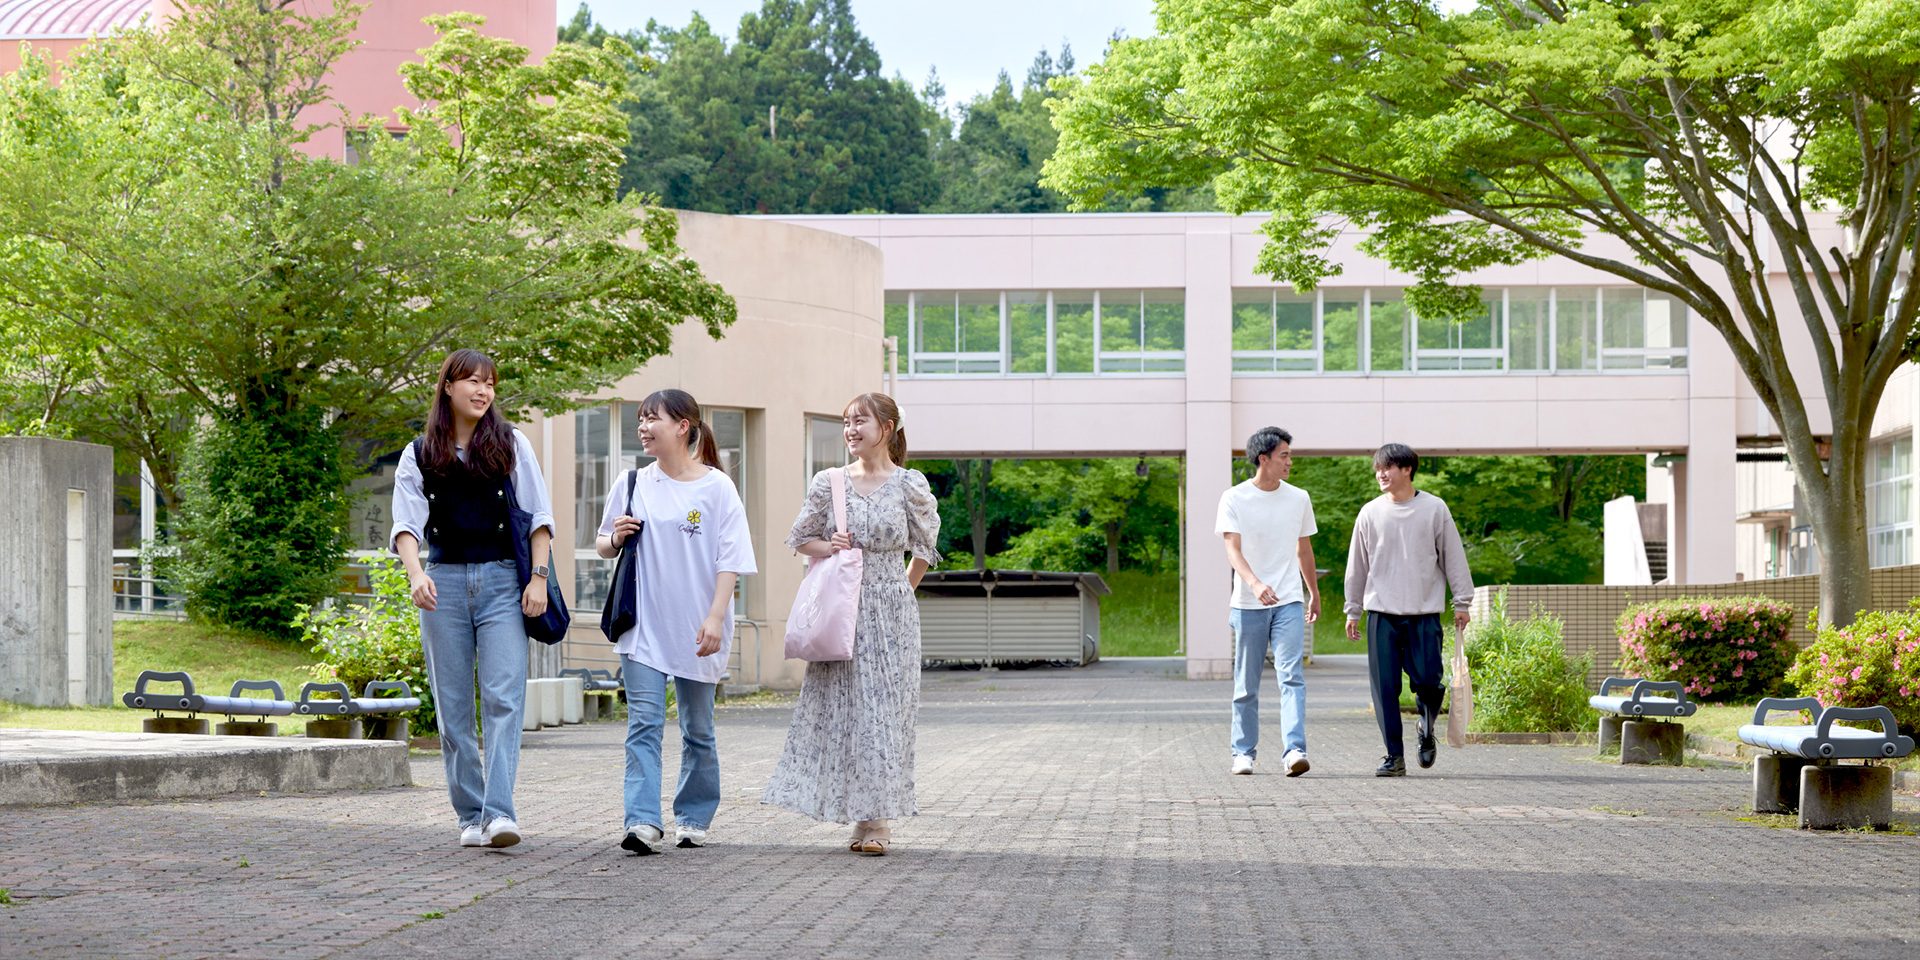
[[622, 608]]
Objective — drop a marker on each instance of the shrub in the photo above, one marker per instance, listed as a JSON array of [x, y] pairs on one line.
[[262, 521], [1875, 661], [379, 640], [1720, 649], [1523, 680]]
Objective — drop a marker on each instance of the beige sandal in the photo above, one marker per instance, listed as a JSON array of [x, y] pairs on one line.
[[875, 846]]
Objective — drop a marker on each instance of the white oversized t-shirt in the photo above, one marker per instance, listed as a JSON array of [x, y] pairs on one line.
[[1270, 525], [695, 530]]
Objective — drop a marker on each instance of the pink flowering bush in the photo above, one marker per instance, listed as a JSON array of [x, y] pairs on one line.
[[1720, 649], [1873, 662]]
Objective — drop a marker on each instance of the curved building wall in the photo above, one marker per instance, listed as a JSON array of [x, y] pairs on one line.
[[808, 339]]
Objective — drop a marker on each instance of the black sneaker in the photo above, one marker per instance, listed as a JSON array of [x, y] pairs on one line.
[[1428, 747], [1391, 767]]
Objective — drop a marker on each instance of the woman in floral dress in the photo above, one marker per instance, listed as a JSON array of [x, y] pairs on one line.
[[849, 751]]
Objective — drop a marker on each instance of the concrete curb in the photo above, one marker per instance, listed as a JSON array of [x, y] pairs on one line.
[[56, 766], [1905, 781], [1566, 738]]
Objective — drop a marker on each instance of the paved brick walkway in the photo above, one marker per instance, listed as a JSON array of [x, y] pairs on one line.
[[1066, 813]]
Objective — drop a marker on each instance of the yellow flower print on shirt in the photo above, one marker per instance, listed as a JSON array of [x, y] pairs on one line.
[[692, 527]]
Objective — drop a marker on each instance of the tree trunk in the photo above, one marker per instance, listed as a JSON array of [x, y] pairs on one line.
[[1845, 587], [1113, 547], [976, 493]]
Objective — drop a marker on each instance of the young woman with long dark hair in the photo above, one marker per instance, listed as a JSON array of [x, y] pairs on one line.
[[850, 748], [451, 493], [694, 545]]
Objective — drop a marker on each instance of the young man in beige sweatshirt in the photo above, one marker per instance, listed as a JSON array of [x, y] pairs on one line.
[[1405, 554]]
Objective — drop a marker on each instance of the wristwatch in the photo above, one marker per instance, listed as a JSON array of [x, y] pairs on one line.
[[540, 571]]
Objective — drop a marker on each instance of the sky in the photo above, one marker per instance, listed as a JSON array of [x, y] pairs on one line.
[[970, 42]]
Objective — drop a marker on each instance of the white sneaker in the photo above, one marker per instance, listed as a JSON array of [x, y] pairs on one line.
[[642, 840], [1296, 762], [472, 836], [689, 837], [1242, 764], [502, 832]]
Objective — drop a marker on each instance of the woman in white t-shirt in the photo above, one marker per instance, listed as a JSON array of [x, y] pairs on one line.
[[693, 545]]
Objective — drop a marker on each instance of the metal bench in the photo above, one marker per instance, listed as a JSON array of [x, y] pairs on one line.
[[1801, 770], [599, 689], [1636, 723], [341, 718], [193, 704]]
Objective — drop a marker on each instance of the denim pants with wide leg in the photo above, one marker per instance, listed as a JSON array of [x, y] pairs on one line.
[[475, 631], [1282, 630], [698, 795]]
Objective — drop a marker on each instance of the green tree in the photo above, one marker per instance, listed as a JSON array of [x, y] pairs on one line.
[[793, 116], [1700, 138], [171, 254]]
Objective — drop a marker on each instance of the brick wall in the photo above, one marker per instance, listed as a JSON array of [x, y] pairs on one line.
[[1587, 611]]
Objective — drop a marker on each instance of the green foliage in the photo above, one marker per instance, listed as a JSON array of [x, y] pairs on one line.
[[1141, 617], [376, 641], [1523, 680], [262, 527], [168, 254], [1721, 649], [1874, 661], [1458, 138]]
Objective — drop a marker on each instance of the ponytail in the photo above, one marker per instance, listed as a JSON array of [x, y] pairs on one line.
[[897, 445], [700, 441]]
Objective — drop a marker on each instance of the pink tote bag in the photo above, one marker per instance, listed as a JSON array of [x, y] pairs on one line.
[[820, 626]]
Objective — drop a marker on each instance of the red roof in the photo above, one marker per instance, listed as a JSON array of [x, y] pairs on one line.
[[57, 19]]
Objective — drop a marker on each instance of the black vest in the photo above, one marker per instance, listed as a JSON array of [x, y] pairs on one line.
[[466, 515]]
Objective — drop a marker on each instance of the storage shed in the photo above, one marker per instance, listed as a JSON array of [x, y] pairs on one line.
[[1005, 616]]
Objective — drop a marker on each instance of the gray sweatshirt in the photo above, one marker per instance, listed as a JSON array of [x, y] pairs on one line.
[[1404, 556]]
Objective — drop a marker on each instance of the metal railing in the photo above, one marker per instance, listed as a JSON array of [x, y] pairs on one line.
[[138, 594]]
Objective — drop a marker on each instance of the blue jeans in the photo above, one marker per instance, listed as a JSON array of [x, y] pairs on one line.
[[1281, 629], [698, 794], [476, 630]]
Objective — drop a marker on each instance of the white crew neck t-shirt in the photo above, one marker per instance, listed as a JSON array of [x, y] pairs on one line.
[[1270, 525], [695, 530]]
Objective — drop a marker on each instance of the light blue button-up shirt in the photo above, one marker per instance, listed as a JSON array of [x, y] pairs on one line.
[[410, 496]]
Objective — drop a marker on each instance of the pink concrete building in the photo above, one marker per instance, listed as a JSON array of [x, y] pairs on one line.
[[367, 80]]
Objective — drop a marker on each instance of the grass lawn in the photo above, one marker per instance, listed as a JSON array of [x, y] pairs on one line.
[[1141, 618], [216, 656]]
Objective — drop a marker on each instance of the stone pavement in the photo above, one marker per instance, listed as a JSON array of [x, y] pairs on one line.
[[1065, 813]]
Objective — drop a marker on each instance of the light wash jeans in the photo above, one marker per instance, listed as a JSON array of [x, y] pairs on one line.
[[1281, 629], [476, 629], [698, 794]]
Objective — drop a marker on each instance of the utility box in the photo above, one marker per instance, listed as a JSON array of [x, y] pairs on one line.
[[56, 569], [1010, 616]]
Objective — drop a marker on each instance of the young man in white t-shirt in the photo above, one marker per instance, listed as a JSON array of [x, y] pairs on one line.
[[1268, 527]]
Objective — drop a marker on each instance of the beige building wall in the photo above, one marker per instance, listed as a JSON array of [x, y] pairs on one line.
[[807, 340]]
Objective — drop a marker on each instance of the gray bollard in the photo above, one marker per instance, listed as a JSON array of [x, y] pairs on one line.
[[1776, 783], [590, 708], [1610, 732], [1836, 797], [1652, 741]]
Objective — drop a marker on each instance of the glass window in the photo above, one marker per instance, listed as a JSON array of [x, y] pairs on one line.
[[1293, 321], [1073, 333], [1119, 321], [1576, 333], [826, 445], [979, 322], [1390, 332], [1164, 321], [592, 475], [1027, 332], [730, 438], [935, 320], [1253, 320], [897, 327], [1340, 330], [1527, 316], [1890, 501]]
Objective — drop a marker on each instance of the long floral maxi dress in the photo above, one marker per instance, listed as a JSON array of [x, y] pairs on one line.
[[849, 752]]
